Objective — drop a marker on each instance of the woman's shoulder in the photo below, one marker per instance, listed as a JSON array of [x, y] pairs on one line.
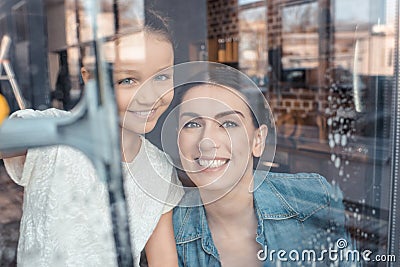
[[304, 193], [295, 183]]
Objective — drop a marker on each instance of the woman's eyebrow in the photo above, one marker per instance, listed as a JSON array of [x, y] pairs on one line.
[[190, 114], [229, 112], [219, 115]]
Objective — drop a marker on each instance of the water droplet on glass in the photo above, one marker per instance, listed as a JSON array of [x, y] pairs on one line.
[[331, 143], [343, 141], [337, 138], [337, 162]]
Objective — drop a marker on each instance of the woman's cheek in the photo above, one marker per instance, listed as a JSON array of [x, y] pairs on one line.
[[181, 144]]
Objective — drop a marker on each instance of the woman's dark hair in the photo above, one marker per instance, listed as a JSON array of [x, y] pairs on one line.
[[226, 77], [183, 89]]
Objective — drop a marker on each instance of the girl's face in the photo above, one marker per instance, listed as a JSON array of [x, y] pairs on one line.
[[217, 138], [143, 80]]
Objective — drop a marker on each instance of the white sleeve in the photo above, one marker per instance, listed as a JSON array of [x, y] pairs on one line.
[[19, 169], [175, 193]]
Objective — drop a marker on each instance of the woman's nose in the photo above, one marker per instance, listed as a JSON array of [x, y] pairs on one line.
[[206, 144], [209, 139]]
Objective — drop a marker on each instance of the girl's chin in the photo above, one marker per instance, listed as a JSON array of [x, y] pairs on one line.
[[138, 128]]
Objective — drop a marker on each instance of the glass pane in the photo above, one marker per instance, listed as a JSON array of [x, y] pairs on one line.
[[253, 43], [328, 70], [333, 104]]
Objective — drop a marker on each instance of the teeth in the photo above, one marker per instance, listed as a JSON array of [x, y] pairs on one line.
[[144, 113], [211, 163]]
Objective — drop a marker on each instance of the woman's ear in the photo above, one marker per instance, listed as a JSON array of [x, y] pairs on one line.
[[259, 140], [85, 74]]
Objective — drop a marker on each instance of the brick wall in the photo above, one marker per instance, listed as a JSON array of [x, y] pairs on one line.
[[300, 112], [223, 18], [302, 104]]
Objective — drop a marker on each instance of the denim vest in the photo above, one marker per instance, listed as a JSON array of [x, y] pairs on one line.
[[301, 212]]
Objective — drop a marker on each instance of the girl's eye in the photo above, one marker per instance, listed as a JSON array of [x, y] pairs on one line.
[[229, 124], [162, 77], [127, 81], [191, 124]]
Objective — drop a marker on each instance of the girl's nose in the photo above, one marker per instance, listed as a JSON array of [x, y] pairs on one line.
[[147, 95]]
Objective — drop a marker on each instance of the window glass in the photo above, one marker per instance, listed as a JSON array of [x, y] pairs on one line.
[[328, 70]]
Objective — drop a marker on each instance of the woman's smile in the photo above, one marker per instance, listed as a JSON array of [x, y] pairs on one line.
[[212, 165]]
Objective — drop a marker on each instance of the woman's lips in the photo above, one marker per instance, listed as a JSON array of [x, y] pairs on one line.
[[215, 164]]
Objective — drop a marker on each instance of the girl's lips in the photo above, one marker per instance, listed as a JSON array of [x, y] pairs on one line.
[[143, 114]]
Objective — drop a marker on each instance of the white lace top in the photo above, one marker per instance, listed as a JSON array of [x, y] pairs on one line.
[[66, 218]]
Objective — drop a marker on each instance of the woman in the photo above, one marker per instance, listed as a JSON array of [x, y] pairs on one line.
[[239, 216]]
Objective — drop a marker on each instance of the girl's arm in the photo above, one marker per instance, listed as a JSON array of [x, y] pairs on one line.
[[6, 155], [160, 248]]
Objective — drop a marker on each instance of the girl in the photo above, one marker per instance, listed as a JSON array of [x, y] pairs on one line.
[[66, 215], [238, 216]]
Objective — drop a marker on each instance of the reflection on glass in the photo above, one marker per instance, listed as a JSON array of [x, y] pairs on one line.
[[253, 43], [327, 68], [300, 36], [333, 103]]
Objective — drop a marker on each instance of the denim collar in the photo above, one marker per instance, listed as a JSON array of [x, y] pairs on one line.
[[194, 225], [277, 197], [268, 201]]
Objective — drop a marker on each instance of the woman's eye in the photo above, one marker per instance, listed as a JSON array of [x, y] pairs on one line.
[[191, 124], [229, 124], [162, 77], [127, 81]]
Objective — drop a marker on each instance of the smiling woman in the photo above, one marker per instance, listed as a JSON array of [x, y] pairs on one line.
[[242, 210], [217, 136]]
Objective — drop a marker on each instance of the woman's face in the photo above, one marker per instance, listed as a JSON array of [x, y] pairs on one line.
[[217, 138], [143, 80]]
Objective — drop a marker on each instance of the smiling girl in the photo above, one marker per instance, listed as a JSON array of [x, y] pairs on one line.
[[66, 218]]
